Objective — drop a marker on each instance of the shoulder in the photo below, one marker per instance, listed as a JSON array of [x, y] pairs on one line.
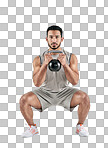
[[36, 60], [73, 58]]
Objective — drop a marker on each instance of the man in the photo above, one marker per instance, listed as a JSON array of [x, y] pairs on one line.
[[52, 87]]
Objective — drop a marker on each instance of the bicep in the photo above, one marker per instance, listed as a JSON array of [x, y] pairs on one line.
[[36, 70], [36, 66], [74, 63]]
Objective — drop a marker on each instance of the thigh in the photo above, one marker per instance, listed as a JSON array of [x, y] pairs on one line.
[[45, 97], [77, 98], [65, 96], [31, 99]]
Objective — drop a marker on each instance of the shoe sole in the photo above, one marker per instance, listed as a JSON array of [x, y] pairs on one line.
[[30, 136], [82, 135]]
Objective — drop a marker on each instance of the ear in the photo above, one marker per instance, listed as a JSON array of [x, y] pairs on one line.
[[62, 39], [46, 39]]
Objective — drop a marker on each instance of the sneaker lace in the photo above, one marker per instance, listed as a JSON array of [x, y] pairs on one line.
[[28, 129]]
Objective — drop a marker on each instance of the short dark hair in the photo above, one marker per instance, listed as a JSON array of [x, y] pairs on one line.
[[54, 27]]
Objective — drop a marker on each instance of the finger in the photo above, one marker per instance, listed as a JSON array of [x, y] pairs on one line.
[[61, 54]]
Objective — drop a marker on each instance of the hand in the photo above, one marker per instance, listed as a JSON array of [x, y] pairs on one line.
[[62, 59], [48, 58]]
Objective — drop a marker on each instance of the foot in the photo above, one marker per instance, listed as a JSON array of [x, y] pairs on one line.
[[31, 131], [81, 130]]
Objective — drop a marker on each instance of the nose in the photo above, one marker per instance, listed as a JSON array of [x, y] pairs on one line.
[[54, 40]]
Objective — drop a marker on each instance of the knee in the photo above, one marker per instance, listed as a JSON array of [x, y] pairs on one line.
[[86, 100], [23, 100]]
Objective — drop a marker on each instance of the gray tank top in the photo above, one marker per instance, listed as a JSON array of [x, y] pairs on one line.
[[55, 81]]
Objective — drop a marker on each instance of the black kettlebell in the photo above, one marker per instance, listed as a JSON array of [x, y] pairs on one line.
[[54, 65]]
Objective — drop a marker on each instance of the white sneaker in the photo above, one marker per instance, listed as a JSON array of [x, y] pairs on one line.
[[81, 131], [31, 131]]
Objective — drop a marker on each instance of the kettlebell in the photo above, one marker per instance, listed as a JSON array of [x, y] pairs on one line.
[[54, 65]]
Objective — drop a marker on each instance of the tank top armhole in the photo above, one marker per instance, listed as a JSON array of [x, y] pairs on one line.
[[70, 57], [40, 60]]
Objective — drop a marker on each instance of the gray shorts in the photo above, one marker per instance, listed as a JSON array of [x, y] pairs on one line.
[[61, 98]]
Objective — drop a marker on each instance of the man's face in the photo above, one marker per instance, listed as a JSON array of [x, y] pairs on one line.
[[54, 39]]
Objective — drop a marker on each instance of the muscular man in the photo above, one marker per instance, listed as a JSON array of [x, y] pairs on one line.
[[52, 87]]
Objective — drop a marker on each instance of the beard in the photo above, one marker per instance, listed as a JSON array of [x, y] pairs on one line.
[[54, 46]]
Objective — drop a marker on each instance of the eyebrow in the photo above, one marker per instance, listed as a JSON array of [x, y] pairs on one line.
[[52, 35]]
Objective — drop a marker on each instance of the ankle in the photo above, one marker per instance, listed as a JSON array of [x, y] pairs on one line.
[[79, 123], [32, 124]]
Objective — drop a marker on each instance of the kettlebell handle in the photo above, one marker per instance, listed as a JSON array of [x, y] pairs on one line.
[[55, 51]]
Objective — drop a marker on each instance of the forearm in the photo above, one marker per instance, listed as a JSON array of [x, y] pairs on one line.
[[39, 78], [71, 76]]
